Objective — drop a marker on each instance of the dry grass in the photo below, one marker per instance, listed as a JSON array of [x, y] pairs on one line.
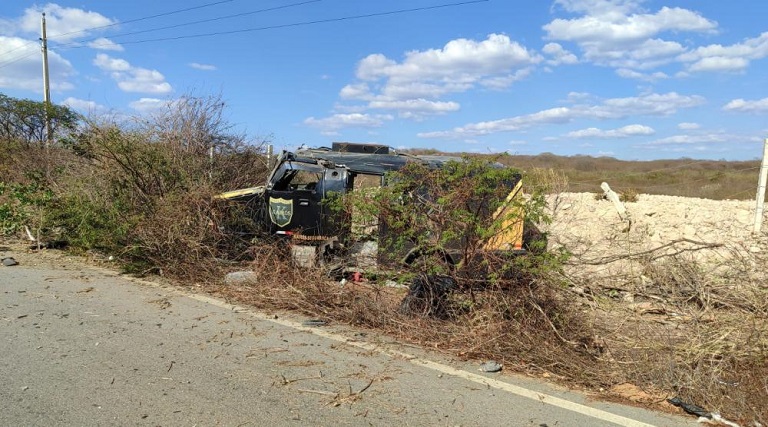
[[529, 325], [710, 179]]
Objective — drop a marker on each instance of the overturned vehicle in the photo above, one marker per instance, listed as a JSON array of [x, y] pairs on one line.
[[305, 202]]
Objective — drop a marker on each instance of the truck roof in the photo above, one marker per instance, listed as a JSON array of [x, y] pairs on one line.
[[372, 164]]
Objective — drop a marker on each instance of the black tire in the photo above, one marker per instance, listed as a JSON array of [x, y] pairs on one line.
[[428, 296]]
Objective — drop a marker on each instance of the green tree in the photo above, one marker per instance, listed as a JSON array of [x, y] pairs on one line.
[[24, 120]]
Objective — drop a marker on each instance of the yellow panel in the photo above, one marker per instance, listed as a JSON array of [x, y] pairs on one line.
[[234, 194], [510, 236]]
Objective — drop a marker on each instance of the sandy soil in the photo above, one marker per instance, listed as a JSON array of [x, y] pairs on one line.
[[717, 234]]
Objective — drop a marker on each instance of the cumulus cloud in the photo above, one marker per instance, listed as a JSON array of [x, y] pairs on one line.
[[744, 106], [558, 54], [414, 106], [415, 86], [615, 108], [130, 78], [23, 69], [85, 106], [63, 24], [619, 33], [356, 91], [103, 43], [203, 67], [636, 75], [622, 132], [332, 124], [735, 57], [460, 60]]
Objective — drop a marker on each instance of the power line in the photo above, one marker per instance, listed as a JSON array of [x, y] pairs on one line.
[[17, 59], [26, 43], [236, 15], [144, 18], [305, 23], [173, 12], [296, 24]]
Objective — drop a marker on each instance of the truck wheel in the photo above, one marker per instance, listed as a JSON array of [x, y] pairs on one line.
[[428, 296]]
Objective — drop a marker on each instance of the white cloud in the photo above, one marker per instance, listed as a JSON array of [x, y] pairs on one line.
[[105, 44], [107, 63], [203, 67], [622, 132], [84, 106], [22, 67], [619, 33], [578, 96], [559, 54], [149, 105], [743, 106], [460, 60], [688, 126], [356, 91], [336, 122], [735, 57], [719, 63], [603, 31], [415, 107], [503, 82], [63, 24], [615, 108], [646, 77], [687, 139], [711, 142], [415, 86], [130, 78]]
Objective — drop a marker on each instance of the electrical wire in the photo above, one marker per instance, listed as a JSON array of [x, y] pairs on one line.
[[144, 18], [305, 23], [27, 43], [296, 24], [15, 60], [202, 21]]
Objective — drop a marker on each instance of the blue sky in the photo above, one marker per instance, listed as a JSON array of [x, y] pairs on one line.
[[631, 79]]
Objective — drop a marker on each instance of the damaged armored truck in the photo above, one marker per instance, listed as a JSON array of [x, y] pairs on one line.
[[305, 201]]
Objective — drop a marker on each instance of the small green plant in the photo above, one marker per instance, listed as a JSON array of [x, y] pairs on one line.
[[23, 205]]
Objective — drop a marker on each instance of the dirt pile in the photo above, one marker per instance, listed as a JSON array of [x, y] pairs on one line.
[[715, 234]]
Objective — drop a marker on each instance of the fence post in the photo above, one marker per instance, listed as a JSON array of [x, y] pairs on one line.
[[761, 189]]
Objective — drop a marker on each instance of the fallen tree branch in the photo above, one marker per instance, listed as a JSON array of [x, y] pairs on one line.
[[614, 258]]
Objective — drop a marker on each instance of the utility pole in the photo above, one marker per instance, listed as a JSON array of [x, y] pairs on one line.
[[761, 189], [46, 86]]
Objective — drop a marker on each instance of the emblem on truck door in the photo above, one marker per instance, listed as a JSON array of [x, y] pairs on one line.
[[280, 211]]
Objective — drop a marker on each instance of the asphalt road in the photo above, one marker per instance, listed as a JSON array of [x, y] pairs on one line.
[[83, 346]]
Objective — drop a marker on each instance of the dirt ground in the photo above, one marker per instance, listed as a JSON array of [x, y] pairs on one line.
[[717, 234]]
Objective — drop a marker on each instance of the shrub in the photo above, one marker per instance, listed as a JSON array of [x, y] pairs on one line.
[[629, 195]]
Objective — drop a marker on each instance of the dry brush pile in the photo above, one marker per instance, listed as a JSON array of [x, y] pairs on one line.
[[677, 294]]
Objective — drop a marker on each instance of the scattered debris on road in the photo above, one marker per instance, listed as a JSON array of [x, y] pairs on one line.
[[491, 366]]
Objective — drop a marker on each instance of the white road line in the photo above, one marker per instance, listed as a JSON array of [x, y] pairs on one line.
[[439, 367]]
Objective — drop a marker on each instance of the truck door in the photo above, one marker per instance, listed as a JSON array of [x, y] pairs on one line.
[[296, 198]]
